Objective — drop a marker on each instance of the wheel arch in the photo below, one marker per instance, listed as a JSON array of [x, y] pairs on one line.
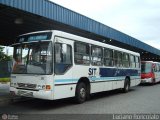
[[87, 83]]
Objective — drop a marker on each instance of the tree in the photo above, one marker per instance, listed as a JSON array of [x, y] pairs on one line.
[[3, 56]]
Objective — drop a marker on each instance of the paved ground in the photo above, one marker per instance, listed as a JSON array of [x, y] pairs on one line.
[[4, 88], [141, 99]]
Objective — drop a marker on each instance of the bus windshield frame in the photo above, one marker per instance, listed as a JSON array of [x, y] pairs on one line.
[[33, 58]]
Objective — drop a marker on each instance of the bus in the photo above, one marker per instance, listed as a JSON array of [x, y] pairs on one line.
[[150, 72], [54, 64]]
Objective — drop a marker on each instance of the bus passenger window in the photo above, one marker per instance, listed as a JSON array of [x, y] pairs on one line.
[[137, 62], [96, 56], [132, 61], [81, 51], [125, 60], [108, 57], [118, 58]]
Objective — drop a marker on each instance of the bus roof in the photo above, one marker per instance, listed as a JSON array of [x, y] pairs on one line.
[[82, 39]]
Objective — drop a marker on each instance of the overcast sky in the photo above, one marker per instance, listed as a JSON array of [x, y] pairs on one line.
[[137, 18]]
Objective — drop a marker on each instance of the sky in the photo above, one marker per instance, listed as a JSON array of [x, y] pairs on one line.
[[137, 18]]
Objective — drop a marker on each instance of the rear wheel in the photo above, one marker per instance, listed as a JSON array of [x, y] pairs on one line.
[[126, 85], [81, 93]]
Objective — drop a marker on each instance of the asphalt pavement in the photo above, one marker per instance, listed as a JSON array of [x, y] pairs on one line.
[[4, 88], [140, 99], [143, 99]]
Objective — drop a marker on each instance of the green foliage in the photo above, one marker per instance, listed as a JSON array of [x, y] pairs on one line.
[[4, 79], [3, 56]]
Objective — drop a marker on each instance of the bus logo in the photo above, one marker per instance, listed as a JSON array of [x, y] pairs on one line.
[[92, 71]]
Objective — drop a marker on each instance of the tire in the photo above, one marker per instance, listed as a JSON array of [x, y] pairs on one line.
[[81, 93], [126, 85]]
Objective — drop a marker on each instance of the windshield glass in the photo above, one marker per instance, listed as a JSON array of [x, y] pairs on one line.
[[146, 67], [33, 58]]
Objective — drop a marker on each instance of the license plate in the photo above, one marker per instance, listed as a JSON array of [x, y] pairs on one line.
[[25, 93], [143, 81]]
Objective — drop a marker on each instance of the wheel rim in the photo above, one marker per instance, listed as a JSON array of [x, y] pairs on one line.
[[82, 93]]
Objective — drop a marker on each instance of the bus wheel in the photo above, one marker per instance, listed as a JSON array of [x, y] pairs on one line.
[[81, 93], [126, 85]]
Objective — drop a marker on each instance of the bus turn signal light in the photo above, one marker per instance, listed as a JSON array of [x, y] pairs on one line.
[[48, 87]]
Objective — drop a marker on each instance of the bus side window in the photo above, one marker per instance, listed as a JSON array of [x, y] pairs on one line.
[[81, 53], [125, 60], [108, 57], [156, 67], [115, 58], [153, 68], [132, 61], [63, 58], [118, 58], [97, 55], [137, 62]]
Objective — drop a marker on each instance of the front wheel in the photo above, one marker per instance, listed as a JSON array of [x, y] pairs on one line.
[[81, 93]]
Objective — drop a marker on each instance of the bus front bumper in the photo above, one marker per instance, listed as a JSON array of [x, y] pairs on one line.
[[147, 80], [41, 94]]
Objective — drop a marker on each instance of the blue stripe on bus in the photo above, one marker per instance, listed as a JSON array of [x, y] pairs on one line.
[[107, 74], [114, 72], [95, 79], [66, 80]]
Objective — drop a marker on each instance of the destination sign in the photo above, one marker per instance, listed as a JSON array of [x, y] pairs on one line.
[[34, 37]]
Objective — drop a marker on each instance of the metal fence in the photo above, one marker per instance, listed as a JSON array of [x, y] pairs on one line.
[[5, 69]]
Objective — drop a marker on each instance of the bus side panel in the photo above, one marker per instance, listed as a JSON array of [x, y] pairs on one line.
[[135, 80], [132, 81], [118, 84], [64, 91], [65, 85], [97, 87], [138, 81]]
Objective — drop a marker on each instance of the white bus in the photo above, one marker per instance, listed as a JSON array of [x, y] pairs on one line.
[[54, 65]]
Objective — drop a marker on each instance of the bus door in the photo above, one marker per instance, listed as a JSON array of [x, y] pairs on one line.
[[62, 64]]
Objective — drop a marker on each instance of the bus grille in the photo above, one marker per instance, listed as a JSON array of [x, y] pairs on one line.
[[27, 86]]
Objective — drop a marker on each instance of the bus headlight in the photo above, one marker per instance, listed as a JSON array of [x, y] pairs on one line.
[[39, 87], [43, 87]]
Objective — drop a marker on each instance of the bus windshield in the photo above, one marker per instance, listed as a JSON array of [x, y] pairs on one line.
[[146, 67], [33, 58]]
